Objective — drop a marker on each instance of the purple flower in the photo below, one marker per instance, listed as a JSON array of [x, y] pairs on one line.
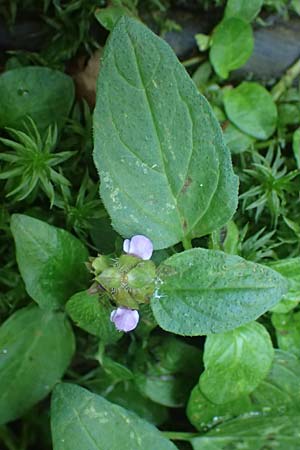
[[125, 319], [139, 246]]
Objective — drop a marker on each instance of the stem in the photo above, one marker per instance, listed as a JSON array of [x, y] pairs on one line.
[[187, 243], [179, 436], [286, 81], [192, 61]]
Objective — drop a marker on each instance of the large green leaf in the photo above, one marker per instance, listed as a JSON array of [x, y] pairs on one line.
[[44, 94], [36, 347], [278, 394], [236, 362], [205, 291], [165, 170], [51, 261], [253, 433], [232, 45], [81, 420], [251, 108]]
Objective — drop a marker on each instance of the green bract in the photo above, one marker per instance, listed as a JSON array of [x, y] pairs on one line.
[[164, 168], [91, 312], [204, 291], [36, 348]]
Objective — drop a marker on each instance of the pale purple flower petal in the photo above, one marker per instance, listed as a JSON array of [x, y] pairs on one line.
[[126, 245], [125, 319], [139, 246]]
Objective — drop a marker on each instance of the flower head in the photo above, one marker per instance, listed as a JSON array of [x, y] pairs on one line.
[[125, 319], [139, 246]]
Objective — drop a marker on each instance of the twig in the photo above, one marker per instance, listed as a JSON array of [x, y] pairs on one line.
[[286, 81]]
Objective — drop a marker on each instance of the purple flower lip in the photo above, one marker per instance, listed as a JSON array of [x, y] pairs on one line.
[[125, 319], [139, 246]]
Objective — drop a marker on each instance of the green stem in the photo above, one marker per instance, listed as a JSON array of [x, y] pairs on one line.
[[179, 436], [286, 81], [187, 243], [192, 61]]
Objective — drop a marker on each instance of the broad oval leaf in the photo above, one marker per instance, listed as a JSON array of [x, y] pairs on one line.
[[82, 420], [51, 261], [235, 362], [251, 108], [278, 394], [252, 433], [205, 291], [232, 45], [165, 170], [36, 347], [44, 94]]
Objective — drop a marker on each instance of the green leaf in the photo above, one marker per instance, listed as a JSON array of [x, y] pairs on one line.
[[108, 17], [253, 433], [127, 395], [287, 328], [165, 171], [206, 291], [51, 261], [237, 141], [296, 147], [204, 414], [277, 394], [235, 362], [91, 312], [242, 9], [203, 41], [36, 347], [231, 45], [169, 380], [251, 108], [290, 269], [44, 94], [82, 420]]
